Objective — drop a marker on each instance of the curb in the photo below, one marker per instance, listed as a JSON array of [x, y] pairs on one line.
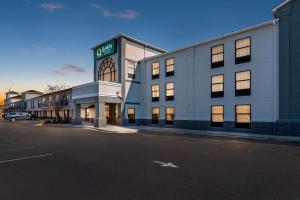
[[255, 137]]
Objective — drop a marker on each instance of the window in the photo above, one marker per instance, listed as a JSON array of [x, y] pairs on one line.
[[243, 116], [170, 92], [155, 93], [107, 70], [131, 115], [170, 67], [243, 83], [243, 50], [217, 116], [131, 69], [155, 115], [155, 70], [217, 86], [170, 115], [217, 56]]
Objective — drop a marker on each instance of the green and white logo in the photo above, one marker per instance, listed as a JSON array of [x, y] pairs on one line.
[[107, 49]]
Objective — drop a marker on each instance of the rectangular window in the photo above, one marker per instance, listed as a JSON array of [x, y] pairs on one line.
[[170, 92], [217, 116], [155, 70], [170, 67], [217, 86], [131, 69], [131, 115], [243, 50], [155, 115], [155, 93], [243, 83], [217, 56], [170, 115], [243, 116]]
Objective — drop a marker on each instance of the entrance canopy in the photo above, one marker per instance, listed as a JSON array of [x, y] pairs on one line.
[[98, 95]]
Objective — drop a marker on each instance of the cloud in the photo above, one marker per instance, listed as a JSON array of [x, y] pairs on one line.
[[72, 68], [104, 12], [57, 72], [67, 68], [126, 14], [51, 6]]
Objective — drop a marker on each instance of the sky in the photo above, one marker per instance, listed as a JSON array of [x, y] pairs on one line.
[[49, 42]]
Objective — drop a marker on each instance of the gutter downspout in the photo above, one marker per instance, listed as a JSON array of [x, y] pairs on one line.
[[276, 74]]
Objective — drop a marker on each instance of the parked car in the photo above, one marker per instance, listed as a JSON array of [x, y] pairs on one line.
[[13, 116]]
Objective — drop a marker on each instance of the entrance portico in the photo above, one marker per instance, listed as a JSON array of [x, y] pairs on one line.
[[99, 101]]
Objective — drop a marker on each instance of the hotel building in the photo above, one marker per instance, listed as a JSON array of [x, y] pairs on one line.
[[244, 81]]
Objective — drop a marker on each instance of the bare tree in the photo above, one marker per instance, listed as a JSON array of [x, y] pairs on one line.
[[56, 88], [57, 106]]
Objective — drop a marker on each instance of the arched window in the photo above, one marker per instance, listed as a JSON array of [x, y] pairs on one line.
[[107, 70]]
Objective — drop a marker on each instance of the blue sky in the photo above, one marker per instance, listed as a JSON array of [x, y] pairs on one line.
[[48, 42]]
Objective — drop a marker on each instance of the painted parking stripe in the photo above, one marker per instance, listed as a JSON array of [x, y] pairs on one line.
[[5, 144], [166, 164], [26, 158]]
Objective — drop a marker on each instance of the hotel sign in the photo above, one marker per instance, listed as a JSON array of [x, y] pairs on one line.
[[106, 49]]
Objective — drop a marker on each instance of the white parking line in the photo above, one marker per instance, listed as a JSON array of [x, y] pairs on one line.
[[25, 158], [9, 143], [166, 164]]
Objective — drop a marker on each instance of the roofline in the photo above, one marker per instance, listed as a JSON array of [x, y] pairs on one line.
[[133, 40], [47, 94], [12, 92], [267, 23], [14, 97], [32, 91], [281, 6], [64, 90]]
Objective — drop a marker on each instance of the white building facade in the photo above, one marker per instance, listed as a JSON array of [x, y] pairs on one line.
[[228, 83]]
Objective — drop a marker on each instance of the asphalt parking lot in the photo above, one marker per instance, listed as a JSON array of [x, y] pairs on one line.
[[61, 162]]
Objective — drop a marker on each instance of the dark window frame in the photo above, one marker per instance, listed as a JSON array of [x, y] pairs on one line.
[[170, 73], [243, 125], [243, 59], [243, 92], [155, 121], [155, 76], [220, 63], [217, 94], [216, 124], [129, 75], [170, 98], [155, 99], [131, 121], [107, 63], [167, 121]]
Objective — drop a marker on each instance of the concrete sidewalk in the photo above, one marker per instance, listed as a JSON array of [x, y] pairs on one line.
[[162, 130], [109, 128], [236, 135]]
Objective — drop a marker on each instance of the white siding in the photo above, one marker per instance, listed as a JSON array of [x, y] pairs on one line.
[[193, 79]]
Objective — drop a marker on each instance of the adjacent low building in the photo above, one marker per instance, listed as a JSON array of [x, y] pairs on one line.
[[16, 102], [55, 105]]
